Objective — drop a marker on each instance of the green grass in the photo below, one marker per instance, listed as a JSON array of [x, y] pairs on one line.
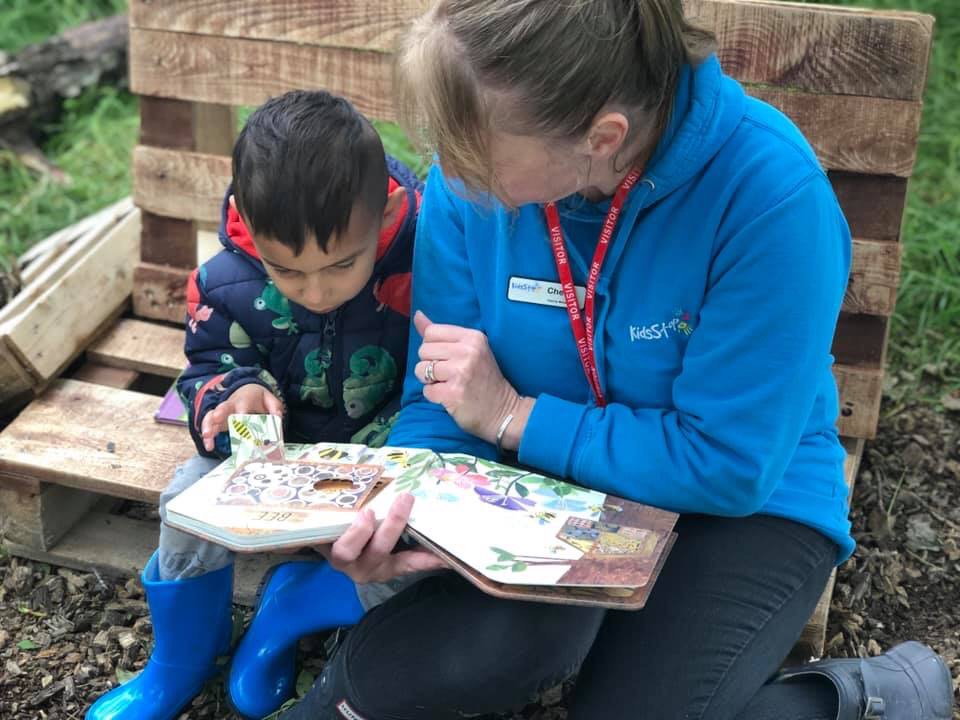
[[92, 144]]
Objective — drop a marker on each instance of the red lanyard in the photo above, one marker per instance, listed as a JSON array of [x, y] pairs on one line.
[[583, 324]]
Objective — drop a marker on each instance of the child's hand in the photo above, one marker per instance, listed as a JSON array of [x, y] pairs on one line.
[[249, 399]]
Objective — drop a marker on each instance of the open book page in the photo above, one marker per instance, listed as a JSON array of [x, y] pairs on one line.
[[520, 527], [511, 526]]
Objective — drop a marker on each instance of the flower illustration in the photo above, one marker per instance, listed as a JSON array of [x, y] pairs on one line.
[[496, 499], [460, 476]]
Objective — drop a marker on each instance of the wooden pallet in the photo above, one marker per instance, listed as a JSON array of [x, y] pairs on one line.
[[89, 439], [852, 79]]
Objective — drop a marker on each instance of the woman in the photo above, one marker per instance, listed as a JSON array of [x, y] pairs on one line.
[[629, 273]]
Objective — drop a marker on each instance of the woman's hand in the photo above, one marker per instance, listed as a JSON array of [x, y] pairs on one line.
[[365, 552], [467, 381]]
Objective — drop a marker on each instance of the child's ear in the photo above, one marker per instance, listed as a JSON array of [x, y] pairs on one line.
[[391, 212]]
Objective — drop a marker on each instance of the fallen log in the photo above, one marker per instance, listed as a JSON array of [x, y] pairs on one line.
[[35, 80]]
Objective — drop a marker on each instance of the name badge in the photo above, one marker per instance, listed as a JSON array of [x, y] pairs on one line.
[[541, 292]]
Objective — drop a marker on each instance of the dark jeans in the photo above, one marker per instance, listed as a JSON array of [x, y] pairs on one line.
[[729, 605]]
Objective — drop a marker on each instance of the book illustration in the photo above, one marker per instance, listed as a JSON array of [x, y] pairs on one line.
[[256, 436], [604, 539], [297, 485], [512, 531]]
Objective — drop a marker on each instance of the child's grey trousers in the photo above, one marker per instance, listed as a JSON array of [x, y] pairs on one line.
[[183, 555]]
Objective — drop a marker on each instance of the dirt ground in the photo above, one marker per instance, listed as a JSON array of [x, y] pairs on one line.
[[66, 637]]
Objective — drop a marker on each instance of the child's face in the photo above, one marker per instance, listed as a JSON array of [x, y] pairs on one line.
[[323, 281], [320, 281]]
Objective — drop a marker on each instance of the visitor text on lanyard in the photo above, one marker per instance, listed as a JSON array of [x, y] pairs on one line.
[[582, 324]]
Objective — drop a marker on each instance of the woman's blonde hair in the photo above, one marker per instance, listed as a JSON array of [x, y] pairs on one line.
[[536, 67]]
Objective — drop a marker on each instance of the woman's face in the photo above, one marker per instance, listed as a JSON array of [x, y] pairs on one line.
[[529, 169]]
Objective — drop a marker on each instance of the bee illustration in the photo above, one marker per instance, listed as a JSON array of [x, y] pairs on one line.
[[241, 429], [398, 457], [331, 453]]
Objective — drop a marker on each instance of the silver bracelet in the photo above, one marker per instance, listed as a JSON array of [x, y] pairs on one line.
[[500, 433]]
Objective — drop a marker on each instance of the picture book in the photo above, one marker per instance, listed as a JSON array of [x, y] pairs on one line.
[[512, 532]]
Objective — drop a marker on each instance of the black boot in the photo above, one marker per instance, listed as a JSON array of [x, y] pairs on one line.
[[909, 682]]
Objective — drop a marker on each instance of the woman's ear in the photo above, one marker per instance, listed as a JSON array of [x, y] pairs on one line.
[[233, 203], [391, 211], [607, 135]]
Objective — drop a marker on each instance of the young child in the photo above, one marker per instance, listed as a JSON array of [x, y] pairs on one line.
[[304, 314]]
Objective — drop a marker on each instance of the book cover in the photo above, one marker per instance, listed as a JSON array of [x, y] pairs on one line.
[[171, 410], [512, 532]]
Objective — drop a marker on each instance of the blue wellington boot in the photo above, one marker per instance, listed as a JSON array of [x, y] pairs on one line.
[[192, 626], [296, 599]]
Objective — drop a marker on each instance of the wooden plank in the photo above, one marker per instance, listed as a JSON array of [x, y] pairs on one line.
[[235, 71], [853, 134], [56, 328], [819, 49], [37, 517], [160, 292], [202, 68], [860, 393], [166, 122], [214, 130], [105, 221], [141, 346], [337, 23], [15, 380], [208, 245], [178, 184], [810, 645], [94, 438], [119, 547], [872, 204], [860, 340], [114, 377], [167, 240], [874, 276]]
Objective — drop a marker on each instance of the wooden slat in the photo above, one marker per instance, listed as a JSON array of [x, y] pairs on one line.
[[48, 334], [373, 26], [118, 546], [141, 346], [160, 292], [853, 134], [185, 185], [94, 438], [819, 49], [191, 185], [166, 122], [860, 393], [38, 516], [167, 240], [874, 276], [91, 372], [814, 634], [235, 71], [859, 340], [872, 204], [207, 69]]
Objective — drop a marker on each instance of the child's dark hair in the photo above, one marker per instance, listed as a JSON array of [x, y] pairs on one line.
[[302, 163]]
